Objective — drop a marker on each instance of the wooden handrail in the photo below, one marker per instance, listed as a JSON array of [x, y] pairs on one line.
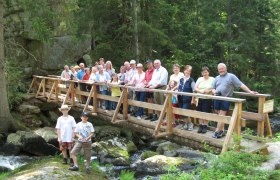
[[251, 95], [230, 99]]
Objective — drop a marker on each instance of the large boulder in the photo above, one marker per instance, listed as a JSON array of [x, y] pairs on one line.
[[49, 134], [28, 109], [159, 164], [49, 106], [32, 120], [114, 151], [275, 124], [148, 154], [31, 143], [168, 149]]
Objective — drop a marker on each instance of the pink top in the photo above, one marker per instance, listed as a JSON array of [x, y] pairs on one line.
[[138, 80]]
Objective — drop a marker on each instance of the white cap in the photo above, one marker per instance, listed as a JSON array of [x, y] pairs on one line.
[[65, 106], [132, 62]]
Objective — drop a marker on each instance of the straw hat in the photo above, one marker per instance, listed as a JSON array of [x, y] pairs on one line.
[[64, 107]]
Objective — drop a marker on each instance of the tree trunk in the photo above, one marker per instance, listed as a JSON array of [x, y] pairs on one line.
[[6, 120], [135, 20]]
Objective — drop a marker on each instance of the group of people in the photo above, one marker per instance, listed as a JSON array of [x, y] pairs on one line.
[[156, 77]]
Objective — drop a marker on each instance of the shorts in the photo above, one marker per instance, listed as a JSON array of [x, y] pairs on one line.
[[159, 96], [66, 145], [149, 95], [204, 105], [86, 147], [221, 105]]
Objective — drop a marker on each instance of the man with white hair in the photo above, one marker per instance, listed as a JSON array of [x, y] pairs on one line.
[[224, 85], [81, 72], [158, 81]]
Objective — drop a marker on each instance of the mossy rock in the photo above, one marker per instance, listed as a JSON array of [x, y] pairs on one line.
[[168, 149], [51, 168], [159, 164], [148, 154]]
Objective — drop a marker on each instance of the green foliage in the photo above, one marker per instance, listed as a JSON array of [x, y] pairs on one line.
[[276, 137], [15, 87], [233, 165], [127, 175], [174, 174]]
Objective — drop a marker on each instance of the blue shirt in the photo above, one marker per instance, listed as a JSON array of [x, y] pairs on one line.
[[101, 78], [81, 74]]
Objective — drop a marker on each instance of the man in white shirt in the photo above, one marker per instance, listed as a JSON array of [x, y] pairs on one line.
[[65, 132], [158, 81]]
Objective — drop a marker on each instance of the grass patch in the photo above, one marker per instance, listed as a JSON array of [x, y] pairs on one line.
[[59, 169]]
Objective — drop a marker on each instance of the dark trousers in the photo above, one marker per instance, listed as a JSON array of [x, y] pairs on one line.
[[140, 97]]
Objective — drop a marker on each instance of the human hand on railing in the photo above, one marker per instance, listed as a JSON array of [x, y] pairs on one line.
[[253, 92], [193, 101]]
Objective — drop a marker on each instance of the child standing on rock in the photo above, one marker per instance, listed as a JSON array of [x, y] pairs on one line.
[[84, 131], [65, 131]]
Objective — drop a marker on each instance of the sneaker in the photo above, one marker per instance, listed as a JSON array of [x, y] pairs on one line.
[[74, 168], [149, 117], [185, 127], [200, 127], [180, 126], [204, 129], [139, 117], [88, 170], [155, 118], [106, 111], [190, 126], [71, 162], [220, 134], [215, 135], [164, 123], [64, 161]]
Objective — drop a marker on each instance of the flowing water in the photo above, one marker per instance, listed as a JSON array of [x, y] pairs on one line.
[[8, 163]]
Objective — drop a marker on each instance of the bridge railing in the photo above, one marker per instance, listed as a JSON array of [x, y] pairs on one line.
[[71, 89]]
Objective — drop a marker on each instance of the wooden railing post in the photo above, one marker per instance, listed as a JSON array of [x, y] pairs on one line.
[[89, 98], [95, 100], [56, 89], [169, 114], [72, 84], [230, 128], [238, 119], [260, 111], [161, 116], [125, 103], [32, 85]]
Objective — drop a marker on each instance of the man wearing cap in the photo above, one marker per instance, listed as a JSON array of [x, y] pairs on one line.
[[65, 132], [149, 95], [84, 131], [158, 81]]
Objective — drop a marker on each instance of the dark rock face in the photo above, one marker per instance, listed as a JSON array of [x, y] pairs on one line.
[[31, 143], [275, 124], [9, 149], [4, 169], [49, 134]]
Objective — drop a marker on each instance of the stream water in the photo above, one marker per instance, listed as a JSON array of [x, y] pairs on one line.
[[8, 163]]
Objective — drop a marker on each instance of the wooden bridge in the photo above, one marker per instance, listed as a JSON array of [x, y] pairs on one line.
[[54, 89]]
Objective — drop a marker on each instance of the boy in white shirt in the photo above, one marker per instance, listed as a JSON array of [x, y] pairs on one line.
[[65, 133], [84, 131]]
